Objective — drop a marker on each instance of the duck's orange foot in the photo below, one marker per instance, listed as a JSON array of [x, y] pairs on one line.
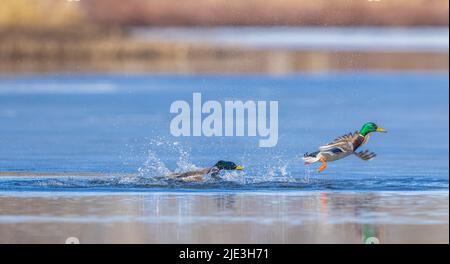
[[324, 164]]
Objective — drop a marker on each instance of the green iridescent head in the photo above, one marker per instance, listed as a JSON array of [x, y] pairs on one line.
[[369, 128], [227, 165]]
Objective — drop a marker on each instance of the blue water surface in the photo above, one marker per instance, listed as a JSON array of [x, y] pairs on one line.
[[118, 126]]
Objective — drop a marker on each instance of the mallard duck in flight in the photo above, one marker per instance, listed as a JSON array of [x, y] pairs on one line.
[[344, 146], [198, 175]]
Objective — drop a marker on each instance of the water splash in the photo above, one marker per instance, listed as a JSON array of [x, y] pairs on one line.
[[234, 176], [307, 174], [153, 166], [277, 169], [184, 160]]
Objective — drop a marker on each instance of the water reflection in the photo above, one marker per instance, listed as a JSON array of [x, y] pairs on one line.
[[226, 202], [225, 218]]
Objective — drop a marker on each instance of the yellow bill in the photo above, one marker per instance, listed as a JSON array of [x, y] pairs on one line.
[[239, 167], [381, 130]]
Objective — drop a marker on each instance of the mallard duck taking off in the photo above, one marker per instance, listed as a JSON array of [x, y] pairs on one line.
[[198, 175], [344, 146]]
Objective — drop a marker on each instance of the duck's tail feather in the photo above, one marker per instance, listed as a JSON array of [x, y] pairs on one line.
[[313, 155], [310, 158]]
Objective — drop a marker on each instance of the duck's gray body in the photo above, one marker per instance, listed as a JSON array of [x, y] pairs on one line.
[[340, 148], [194, 176]]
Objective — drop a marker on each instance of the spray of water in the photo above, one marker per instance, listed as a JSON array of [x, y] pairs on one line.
[[154, 167], [267, 168]]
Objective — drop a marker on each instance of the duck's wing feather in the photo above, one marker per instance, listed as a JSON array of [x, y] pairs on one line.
[[366, 155], [343, 143]]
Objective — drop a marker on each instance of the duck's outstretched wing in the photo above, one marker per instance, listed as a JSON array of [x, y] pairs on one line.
[[366, 155], [346, 137], [343, 143]]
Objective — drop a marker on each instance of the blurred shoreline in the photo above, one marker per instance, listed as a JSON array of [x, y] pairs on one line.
[[160, 51], [268, 13], [217, 36]]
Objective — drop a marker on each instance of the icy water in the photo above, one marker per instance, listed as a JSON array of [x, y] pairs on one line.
[[231, 217], [82, 155]]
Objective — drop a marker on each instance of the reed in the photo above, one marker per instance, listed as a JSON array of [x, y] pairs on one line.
[[38, 14]]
